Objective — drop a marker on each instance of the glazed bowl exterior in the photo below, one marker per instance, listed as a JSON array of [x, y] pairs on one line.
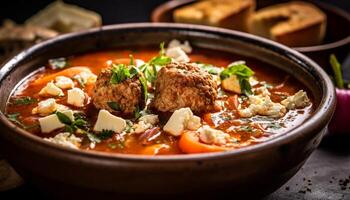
[[262, 168]]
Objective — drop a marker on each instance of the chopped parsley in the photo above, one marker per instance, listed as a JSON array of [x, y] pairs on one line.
[[14, 118], [105, 134], [150, 69], [243, 73], [211, 69], [72, 126], [58, 63], [114, 105], [119, 73], [24, 101]]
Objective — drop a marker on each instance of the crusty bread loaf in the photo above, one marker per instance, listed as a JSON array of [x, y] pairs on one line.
[[294, 24], [231, 14], [65, 18]]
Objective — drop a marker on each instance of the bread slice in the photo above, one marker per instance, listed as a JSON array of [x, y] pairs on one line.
[[65, 18], [294, 24], [232, 14]]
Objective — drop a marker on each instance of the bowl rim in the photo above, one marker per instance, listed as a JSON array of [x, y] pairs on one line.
[[321, 115], [164, 7]]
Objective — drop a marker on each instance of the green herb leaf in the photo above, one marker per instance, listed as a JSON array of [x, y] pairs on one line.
[[63, 118], [144, 87], [24, 101], [58, 63], [119, 145], [131, 59], [119, 73], [133, 71], [93, 138], [337, 69], [14, 118], [239, 69], [160, 60], [114, 105], [137, 113], [246, 88], [105, 134], [162, 51], [243, 73], [211, 69]]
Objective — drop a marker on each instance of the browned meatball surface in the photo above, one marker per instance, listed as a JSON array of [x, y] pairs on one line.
[[127, 94], [180, 85]]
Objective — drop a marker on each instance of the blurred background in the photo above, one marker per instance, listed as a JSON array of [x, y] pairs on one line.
[[112, 11]]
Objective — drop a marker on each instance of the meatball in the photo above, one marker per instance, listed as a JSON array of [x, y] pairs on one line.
[[127, 96], [180, 85]]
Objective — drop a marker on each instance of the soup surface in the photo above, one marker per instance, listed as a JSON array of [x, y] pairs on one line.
[[142, 100]]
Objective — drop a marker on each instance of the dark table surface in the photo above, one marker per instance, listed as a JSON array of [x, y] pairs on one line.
[[326, 174]]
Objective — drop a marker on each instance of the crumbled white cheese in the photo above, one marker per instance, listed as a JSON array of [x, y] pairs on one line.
[[76, 97], [64, 82], [186, 47], [145, 122], [298, 100], [65, 139], [262, 105], [231, 84], [51, 90], [177, 54], [209, 135], [107, 121], [51, 122], [139, 62], [180, 120], [86, 77], [45, 107], [150, 119]]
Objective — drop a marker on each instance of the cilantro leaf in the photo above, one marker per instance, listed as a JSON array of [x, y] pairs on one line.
[[14, 118], [105, 134], [24, 101], [243, 73], [64, 119], [114, 105], [119, 73], [144, 87], [211, 69]]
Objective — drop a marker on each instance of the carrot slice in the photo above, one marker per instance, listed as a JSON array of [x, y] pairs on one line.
[[69, 72], [189, 143]]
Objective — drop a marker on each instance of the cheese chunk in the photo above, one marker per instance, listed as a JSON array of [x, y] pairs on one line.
[[107, 121], [231, 84], [181, 120], [186, 47], [298, 100], [76, 97], [177, 54], [145, 122], [86, 77], [51, 122], [64, 82], [262, 105], [45, 107], [51, 90], [65, 139], [209, 135]]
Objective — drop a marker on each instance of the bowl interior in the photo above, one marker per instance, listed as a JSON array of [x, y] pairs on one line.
[[279, 56]]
